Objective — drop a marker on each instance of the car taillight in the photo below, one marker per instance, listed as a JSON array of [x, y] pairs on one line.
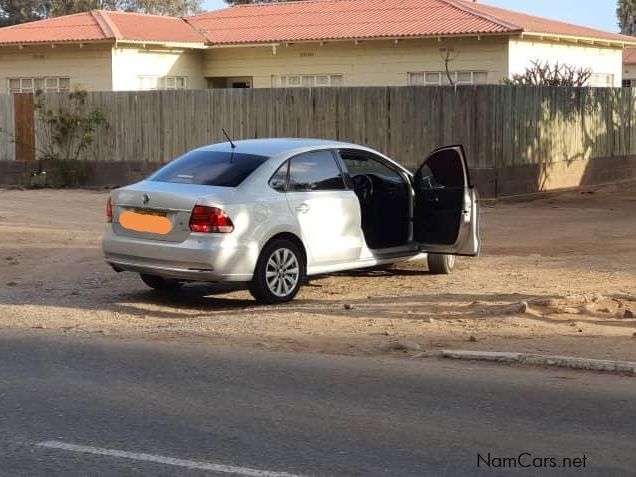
[[210, 220], [109, 209]]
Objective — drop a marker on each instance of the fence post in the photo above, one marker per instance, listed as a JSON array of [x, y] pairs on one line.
[[24, 126]]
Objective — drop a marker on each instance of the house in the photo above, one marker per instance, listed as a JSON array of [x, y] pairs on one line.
[[302, 43], [629, 67], [101, 51]]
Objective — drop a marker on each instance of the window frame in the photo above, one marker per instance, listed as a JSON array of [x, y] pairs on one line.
[[39, 83], [336, 158], [286, 184], [375, 157], [442, 79], [283, 81], [160, 83]]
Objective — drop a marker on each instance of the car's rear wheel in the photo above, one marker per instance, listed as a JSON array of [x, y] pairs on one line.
[[160, 283], [279, 272], [440, 264]]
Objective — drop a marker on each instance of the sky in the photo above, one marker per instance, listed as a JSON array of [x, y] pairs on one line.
[[599, 14]]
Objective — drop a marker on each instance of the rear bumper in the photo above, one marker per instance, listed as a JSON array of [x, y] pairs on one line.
[[201, 257]]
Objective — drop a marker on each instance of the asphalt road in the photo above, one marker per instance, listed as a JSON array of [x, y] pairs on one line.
[[159, 408]]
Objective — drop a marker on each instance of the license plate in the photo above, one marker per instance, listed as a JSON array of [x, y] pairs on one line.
[[149, 221]]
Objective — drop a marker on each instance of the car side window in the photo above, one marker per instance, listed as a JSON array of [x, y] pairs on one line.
[[278, 181], [362, 162], [314, 171]]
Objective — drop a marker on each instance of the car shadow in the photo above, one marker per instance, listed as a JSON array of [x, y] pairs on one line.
[[382, 272], [195, 295], [93, 288]]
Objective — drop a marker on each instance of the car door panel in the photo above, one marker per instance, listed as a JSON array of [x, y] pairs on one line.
[[327, 213], [330, 224], [446, 206]]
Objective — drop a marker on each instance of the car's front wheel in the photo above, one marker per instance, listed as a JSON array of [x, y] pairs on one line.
[[279, 272], [440, 264], [160, 283]]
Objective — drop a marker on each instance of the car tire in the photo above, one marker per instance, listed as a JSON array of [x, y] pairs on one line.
[[279, 272], [441, 264], [160, 283]]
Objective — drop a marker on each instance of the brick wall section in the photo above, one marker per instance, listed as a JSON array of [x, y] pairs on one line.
[[98, 174], [17, 173]]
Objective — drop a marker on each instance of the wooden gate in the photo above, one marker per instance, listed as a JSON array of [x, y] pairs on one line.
[[24, 127]]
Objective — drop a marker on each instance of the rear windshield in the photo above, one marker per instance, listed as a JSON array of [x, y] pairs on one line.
[[211, 168]]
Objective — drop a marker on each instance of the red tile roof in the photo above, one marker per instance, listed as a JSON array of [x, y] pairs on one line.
[[534, 24], [138, 27], [351, 19], [629, 56], [299, 21], [101, 25], [340, 19]]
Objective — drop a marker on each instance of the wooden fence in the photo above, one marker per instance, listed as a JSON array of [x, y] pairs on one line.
[[500, 126], [7, 128]]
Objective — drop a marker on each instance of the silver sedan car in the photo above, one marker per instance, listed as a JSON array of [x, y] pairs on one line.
[[271, 212]]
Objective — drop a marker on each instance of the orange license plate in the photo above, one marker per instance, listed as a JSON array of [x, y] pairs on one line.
[[151, 222]]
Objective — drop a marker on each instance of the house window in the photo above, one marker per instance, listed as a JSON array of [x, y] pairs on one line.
[[47, 84], [147, 83], [174, 82], [436, 78], [297, 81], [602, 80], [628, 83]]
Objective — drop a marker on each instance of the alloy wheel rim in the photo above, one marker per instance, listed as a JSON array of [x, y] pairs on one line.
[[282, 272]]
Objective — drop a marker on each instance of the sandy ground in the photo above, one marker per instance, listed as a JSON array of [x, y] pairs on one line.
[[571, 257]]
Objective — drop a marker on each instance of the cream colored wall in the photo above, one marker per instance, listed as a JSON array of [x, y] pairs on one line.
[[131, 62], [370, 63], [601, 59], [88, 67]]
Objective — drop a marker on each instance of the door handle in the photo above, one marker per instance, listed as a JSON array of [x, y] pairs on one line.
[[302, 208]]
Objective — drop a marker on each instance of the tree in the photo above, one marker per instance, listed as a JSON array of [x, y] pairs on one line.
[[13, 12], [626, 13], [545, 74], [173, 8], [448, 56], [67, 131], [245, 2], [58, 8]]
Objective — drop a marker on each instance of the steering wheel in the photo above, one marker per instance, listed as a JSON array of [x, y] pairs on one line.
[[363, 187]]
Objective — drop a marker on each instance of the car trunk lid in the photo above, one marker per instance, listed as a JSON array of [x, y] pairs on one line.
[[160, 210]]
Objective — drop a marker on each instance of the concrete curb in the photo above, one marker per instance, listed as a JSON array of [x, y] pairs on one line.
[[608, 366]]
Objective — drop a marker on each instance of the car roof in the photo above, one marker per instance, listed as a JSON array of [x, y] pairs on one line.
[[275, 146]]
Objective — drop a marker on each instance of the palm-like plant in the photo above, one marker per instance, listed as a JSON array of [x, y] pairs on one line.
[[626, 13]]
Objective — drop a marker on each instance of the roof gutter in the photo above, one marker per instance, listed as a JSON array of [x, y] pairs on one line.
[[582, 39], [364, 39], [167, 44], [23, 44], [241, 45]]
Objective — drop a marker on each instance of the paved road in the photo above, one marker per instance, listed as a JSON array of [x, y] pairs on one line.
[[300, 414]]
